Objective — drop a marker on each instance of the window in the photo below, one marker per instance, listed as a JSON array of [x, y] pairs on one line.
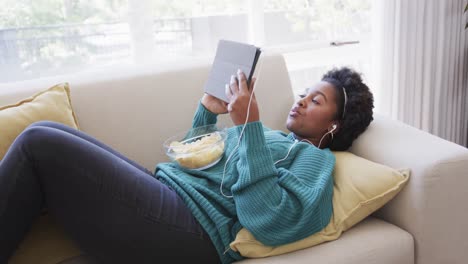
[[50, 37], [304, 30]]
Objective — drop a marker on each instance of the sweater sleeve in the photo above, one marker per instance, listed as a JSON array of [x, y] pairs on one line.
[[203, 117], [279, 205]]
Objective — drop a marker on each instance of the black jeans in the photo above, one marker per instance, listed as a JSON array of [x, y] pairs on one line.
[[113, 208]]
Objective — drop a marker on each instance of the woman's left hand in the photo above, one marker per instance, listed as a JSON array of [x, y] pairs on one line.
[[239, 94]]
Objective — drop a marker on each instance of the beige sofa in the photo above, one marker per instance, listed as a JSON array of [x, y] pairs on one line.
[[135, 109]]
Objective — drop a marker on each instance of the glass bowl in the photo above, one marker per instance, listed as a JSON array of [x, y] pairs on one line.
[[198, 148]]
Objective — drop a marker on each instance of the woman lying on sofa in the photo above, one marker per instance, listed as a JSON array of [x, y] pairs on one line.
[[278, 186]]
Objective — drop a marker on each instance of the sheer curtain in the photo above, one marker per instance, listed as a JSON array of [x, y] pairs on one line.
[[43, 38], [421, 65]]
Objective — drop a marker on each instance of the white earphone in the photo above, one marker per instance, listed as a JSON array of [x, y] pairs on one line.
[[334, 127], [297, 141]]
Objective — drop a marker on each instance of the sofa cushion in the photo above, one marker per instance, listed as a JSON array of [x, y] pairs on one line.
[[53, 104], [372, 241], [46, 242], [360, 188], [80, 259], [433, 206]]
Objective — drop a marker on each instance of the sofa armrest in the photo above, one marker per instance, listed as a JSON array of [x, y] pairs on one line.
[[433, 207]]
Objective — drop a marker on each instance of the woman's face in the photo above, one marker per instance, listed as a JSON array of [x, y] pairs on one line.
[[312, 114]]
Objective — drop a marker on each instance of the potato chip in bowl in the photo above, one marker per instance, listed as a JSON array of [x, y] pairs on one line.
[[199, 148]]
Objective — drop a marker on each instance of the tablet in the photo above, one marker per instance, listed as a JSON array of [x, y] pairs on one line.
[[230, 56]]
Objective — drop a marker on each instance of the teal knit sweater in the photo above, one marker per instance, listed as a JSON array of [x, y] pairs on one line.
[[278, 203]]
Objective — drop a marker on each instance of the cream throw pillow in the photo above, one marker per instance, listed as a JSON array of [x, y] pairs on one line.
[[45, 243], [360, 188], [53, 104]]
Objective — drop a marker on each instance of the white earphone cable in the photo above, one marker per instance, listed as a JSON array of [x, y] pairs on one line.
[[242, 131], [320, 143]]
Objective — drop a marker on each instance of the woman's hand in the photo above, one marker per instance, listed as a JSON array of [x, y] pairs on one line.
[[213, 104], [239, 95]]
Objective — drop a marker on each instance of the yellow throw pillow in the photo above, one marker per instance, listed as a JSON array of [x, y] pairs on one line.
[[360, 188], [53, 104], [46, 242]]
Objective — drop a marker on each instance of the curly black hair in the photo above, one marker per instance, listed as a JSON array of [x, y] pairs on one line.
[[358, 109]]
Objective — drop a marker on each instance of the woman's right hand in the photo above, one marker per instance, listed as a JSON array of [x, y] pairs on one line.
[[213, 104]]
